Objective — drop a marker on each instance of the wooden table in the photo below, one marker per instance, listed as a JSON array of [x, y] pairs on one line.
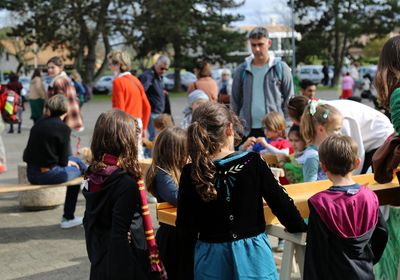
[[295, 243]]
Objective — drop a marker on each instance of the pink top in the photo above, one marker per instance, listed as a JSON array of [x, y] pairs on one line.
[[347, 82]]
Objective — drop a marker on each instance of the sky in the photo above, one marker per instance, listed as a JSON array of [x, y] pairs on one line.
[[256, 12]]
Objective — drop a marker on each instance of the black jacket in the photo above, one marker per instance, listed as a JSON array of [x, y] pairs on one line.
[[110, 213]]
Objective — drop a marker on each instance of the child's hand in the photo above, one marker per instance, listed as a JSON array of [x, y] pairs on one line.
[[248, 143]]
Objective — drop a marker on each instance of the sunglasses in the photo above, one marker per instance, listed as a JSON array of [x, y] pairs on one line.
[[163, 68]]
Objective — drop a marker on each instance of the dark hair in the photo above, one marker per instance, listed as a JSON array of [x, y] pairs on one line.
[[387, 77], [339, 154], [296, 106], [56, 60], [58, 105], [13, 77], [306, 83], [169, 153], [203, 68], [36, 73], [206, 136], [295, 129], [258, 33], [116, 133]]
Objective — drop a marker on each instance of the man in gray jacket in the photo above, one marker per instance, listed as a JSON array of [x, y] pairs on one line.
[[262, 84]]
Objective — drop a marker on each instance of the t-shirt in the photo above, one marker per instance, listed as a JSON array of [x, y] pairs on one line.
[[258, 99]]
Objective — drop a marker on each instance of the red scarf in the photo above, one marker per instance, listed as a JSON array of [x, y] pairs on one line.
[[155, 262]]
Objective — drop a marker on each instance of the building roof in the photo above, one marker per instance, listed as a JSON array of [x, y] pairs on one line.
[[272, 28]]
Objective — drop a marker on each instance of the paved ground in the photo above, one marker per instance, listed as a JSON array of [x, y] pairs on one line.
[[32, 245]]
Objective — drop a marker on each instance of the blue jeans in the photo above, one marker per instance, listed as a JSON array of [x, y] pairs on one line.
[[57, 175], [152, 132]]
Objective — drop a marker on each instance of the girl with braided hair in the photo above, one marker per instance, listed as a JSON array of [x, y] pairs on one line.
[[220, 218]]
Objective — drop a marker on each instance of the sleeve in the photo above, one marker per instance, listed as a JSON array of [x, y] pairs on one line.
[[146, 108], [310, 169], [117, 98], [281, 204], [287, 89], [121, 258], [237, 91], [146, 80], [395, 109], [186, 228], [351, 128], [166, 188], [379, 238]]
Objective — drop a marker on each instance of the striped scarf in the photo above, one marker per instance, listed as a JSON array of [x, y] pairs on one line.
[[155, 262]]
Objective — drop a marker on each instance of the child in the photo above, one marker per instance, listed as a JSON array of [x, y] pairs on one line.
[[346, 231], [317, 122], [293, 165], [116, 203], [347, 86], [160, 122], [274, 141], [162, 181], [308, 88], [195, 99], [220, 218]]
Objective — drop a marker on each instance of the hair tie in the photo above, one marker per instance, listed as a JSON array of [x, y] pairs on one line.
[[313, 103]]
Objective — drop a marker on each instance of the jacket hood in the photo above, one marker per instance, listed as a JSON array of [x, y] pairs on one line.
[[271, 62]]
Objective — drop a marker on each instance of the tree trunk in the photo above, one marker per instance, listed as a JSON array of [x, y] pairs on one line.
[[104, 64], [177, 65]]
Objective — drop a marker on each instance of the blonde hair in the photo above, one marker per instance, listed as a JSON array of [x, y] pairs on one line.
[[170, 153], [274, 121], [163, 121], [76, 76], [120, 57], [324, 115]]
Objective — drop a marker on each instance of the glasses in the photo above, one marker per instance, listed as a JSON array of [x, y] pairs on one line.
[[163, 68]]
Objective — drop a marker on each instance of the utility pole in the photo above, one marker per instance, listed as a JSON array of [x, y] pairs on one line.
[[293, 41]]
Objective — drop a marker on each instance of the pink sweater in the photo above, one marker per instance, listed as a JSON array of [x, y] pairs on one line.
[[347, 82]]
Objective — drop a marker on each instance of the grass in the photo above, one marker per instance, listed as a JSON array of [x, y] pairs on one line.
[[323, 88]]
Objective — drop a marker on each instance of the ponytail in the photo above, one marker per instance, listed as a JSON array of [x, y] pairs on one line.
[[203, 168]]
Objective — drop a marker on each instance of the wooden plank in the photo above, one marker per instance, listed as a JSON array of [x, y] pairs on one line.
[[387, 193], [29, 187]]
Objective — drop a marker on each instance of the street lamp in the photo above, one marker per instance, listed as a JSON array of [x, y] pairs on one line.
[[293, 40]]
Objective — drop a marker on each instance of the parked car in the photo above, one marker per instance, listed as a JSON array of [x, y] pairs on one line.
[[370, 69], [103, 85], [186, 79], [168, 83], [314, 73]]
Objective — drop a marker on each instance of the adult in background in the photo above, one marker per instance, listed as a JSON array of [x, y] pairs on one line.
[[225, 87], [79, 88], [262, 84], [152, 81], [48, 159], [16, 86], [204, 81], [128, 94], [37, 95], [368, 127], [62, 84], [325, 72]]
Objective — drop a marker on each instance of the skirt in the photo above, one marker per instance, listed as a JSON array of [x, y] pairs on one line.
[[248, 258]]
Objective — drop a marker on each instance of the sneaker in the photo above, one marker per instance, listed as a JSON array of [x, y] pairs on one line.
[[71, 223], [151, 199]]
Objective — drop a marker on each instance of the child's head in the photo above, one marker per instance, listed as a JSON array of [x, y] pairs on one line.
[[197, 98], [116, 133], [296, 106], [58, 105], [162, 121], [274, 125], [338, 155], [308, 88], [388, 75], [169, 153], [319, 121], [296, 140], [213, 127]]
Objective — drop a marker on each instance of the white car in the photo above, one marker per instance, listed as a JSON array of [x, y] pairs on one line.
[[103, 85], [312, 73], [186, 79]]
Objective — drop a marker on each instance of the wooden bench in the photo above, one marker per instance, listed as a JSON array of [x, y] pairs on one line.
[[388, 194]]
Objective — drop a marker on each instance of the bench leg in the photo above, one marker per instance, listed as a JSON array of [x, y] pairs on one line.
[[300, 251]]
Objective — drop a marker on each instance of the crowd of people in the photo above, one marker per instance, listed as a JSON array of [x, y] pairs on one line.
[[213, 168]]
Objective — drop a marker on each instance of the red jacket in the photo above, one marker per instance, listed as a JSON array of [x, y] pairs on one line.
[[129, 96]]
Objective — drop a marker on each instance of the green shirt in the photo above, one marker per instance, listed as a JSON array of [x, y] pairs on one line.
[[258, 99]]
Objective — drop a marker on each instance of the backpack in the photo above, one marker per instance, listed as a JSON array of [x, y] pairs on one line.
[[9, 106]]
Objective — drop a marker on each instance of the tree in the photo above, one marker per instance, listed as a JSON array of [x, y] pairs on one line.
[[330, 27], [191, 28], [72, 24]]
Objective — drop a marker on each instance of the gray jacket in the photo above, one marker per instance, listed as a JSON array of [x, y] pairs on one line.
[[277, 90]]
